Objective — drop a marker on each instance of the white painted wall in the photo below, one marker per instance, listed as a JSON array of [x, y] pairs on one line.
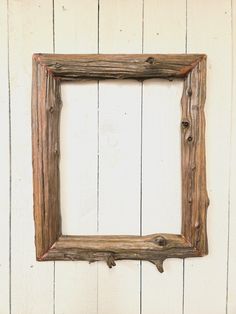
[[122, 130]]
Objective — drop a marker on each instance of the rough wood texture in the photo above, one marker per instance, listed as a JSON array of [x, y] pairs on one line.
[[154, 248], [194, 194], [98, 67], [46, 103], [48, 71]]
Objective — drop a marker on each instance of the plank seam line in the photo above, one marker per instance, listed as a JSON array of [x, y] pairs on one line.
[[10, 159], [54, 287], [230, 158], [186, 50], [141, 176], [54, 263], [98, 148], [53, 24]]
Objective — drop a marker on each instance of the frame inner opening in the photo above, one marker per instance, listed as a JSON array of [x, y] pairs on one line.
[[120, 167]]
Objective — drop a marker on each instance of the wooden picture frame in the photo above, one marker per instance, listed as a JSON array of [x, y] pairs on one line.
[[49, 70]]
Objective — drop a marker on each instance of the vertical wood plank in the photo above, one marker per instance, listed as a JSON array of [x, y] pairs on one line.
[[5, 163], [76, 32], [205, 278], [78, 163], [161, 206], [231, 289], [119, 152], [76, 26], [119, 155], [32, 282], [161, 157]]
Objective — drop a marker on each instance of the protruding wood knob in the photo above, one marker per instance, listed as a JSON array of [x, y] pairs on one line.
[[161, 241]]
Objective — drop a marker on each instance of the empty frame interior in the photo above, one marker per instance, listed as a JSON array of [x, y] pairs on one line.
[[49, 71], [120, 157]]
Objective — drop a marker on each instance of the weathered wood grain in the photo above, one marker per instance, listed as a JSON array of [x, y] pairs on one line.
[[154, 248], [48, 72], [105, 66], [46, 103], [194, 197]]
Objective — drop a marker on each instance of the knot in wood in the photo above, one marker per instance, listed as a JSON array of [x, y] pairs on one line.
[[57, 65], [150, 60], [190, 139], [189, 92], [161, 241], [56, 152], [51, 109], [185, 124]]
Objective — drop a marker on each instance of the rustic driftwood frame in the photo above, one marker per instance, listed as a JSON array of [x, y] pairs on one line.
[[49, 70]]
